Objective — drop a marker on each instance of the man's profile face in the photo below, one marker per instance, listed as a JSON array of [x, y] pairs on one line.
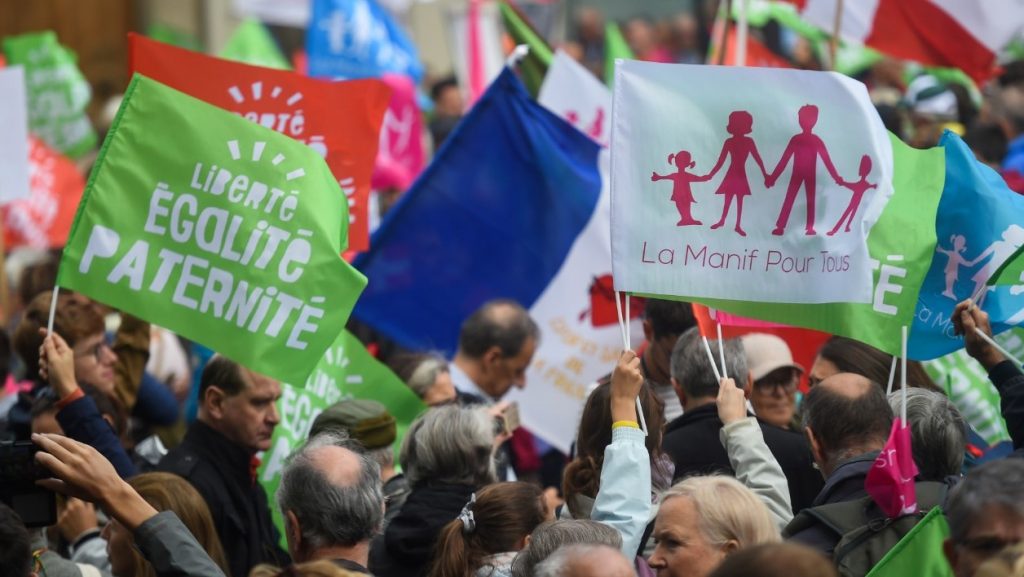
[[507, 372], [992, 529], [250, 416]]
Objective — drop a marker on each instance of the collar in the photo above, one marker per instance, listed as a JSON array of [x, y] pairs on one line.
[[220, 450], [701, 413], [465, 384], [854, 468]]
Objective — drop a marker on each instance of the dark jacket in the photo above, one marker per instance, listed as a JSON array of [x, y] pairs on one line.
[[846, 483], [81, 420], [693, 444], [1009, 381], [221, 472], [406, 549]]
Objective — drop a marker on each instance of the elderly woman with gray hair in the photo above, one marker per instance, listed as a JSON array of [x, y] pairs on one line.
[[447, 455]]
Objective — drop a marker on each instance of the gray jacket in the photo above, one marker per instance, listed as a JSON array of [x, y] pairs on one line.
[[172, 550]]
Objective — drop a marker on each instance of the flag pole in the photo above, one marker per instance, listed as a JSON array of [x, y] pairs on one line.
[[721, 349], [720, 30], [742, 30], [624, 328], [711, 357], [53, 310], [903, 378], [997, 346], [892, 376], [833, 45]]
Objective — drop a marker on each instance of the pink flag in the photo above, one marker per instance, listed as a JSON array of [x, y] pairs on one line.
[[891, 481], [400, 154]]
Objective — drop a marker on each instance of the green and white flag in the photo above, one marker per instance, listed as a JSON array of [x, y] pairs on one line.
[[919, 552], [57, 92], [219, 229], [346, 371]]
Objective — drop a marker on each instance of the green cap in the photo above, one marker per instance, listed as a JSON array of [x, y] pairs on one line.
[[366, 421]]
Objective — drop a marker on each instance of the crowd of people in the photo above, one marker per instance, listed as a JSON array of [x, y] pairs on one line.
[[153, 445], [709, 490]]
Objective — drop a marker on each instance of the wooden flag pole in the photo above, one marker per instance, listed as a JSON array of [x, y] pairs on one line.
[[837, 22]]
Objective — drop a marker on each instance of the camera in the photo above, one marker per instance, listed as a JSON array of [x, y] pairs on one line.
[[19, 472]]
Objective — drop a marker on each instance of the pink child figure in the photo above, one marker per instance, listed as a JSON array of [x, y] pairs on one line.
[[954, 261], [681, 193], [735, 185], [858, 188], [804, 148]]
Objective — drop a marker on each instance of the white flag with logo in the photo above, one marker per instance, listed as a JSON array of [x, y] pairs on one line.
[[14, 166], [745, 183]]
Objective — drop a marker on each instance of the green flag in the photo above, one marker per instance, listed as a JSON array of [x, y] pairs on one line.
[[347, 370], [615, 46], [535, 65], [919, 552], [967, 384], [219, 229], [57, 92], [252, 44], [902, 242]]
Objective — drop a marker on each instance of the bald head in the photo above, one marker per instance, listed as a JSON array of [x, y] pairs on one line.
[[340, 466], [846, 415], [498, 323], [586, 561]]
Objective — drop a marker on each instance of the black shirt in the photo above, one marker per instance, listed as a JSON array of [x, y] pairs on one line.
[[221, 471], [693, 443]]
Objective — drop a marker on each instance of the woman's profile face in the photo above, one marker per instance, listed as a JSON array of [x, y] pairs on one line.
[[682, 550], [119, 549]]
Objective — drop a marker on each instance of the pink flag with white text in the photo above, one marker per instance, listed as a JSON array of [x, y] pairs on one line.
[[890, 481]]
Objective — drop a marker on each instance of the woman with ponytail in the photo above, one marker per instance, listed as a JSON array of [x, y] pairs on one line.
[[492, 528]]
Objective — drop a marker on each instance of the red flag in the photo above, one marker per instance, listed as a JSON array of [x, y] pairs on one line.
[[890, 481], [757, 53], [803, 343], [340, 120], [44, 219]]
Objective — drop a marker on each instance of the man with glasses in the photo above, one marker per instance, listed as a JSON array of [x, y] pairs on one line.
[[985, 514], [775, 376]]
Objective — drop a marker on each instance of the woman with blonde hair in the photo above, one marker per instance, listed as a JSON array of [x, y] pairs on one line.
[[702, 520], [165, 492]]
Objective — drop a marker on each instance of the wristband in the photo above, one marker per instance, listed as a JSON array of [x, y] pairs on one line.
[[625, 424], [71, 397]]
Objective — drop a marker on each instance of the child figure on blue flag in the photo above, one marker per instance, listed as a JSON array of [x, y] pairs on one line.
[[954, 260], [682, 195], [858, 188]]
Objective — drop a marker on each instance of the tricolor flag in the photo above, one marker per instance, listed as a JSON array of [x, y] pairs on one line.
[[509, 208], [964, 34], [340, 120]]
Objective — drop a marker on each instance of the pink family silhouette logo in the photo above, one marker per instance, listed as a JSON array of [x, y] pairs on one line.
[[804, 151], [1010, 241]]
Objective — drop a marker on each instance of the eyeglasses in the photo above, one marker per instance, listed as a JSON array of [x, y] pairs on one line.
[[987, 545], [96, 351], [787, 385]]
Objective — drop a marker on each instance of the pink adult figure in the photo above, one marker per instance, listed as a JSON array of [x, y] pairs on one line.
[[954, 260], [804, 148], [858, 188], [681, 193], [735, 186]]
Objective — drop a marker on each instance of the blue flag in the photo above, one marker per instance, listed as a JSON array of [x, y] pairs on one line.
[[358, 39], [494, 215], [980, 224]]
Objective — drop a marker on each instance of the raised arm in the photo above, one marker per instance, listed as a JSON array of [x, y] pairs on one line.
[[624, 500], [753, 462]]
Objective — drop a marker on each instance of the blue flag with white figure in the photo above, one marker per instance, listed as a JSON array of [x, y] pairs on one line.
[[980, 224], [358, 39], [494, 215]]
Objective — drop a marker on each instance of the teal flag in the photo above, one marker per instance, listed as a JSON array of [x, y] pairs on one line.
[[346, 371], [902, 243], [219, 229], [919, 553], [57, 92], [252, 44]]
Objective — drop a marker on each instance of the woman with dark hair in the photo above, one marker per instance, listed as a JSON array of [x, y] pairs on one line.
[[490, 531], [843, 355], [581, 482]]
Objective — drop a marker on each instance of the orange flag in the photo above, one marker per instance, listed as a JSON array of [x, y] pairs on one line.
[[340, 120]]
